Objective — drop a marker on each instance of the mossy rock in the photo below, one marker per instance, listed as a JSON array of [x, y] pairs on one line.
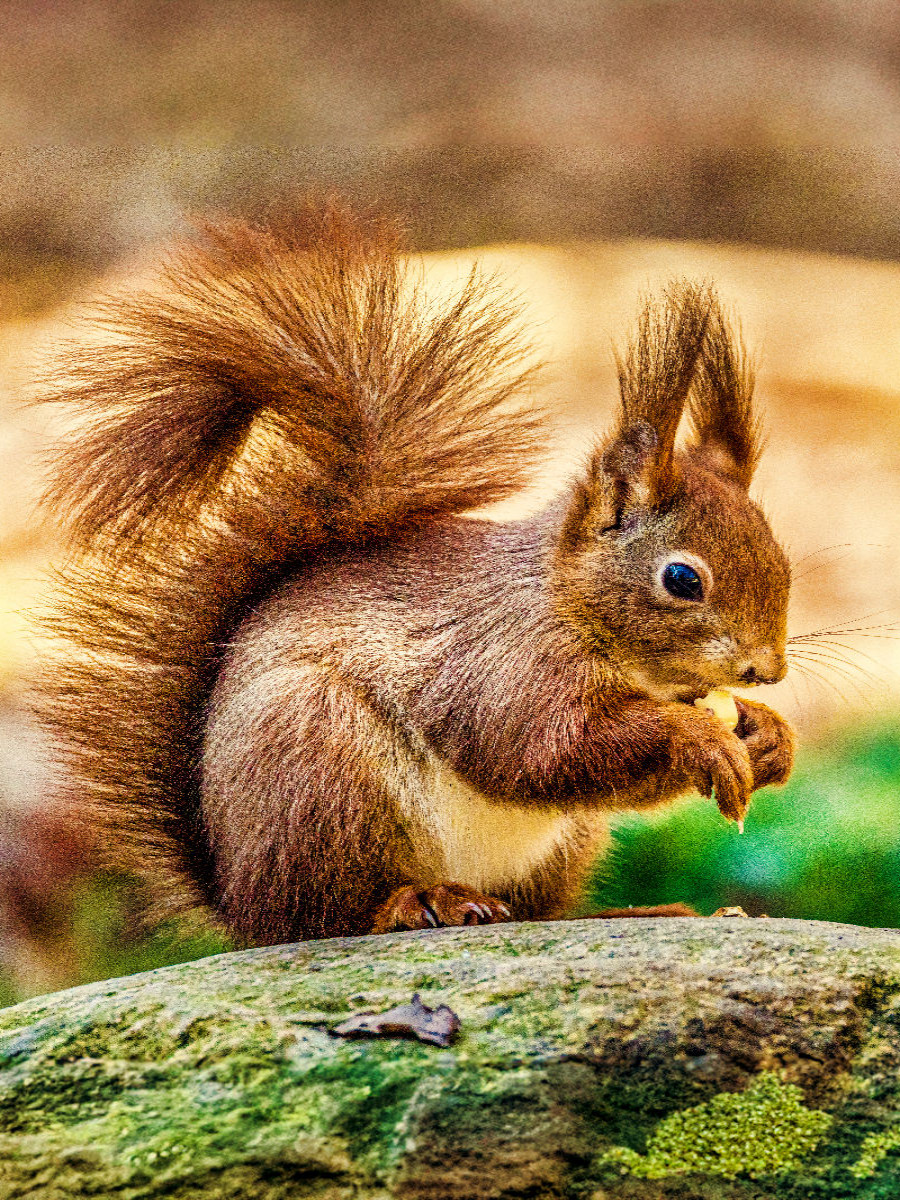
[[603, 1059]]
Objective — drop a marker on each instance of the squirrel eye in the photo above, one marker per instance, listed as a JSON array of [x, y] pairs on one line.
[[682, 581]]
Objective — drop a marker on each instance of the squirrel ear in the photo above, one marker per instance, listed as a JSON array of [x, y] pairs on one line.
[[655, 377], [635, 469], [727, 436], [618, 480], [631, 465]]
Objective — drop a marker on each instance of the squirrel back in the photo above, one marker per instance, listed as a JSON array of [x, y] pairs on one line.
[[284, 390]]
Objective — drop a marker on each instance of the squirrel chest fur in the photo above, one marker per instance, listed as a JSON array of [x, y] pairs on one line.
[[302, 688]]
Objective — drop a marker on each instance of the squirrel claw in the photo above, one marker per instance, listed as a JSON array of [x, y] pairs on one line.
[[442, 904]]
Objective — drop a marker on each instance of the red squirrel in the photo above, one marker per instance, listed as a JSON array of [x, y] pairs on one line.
[[300, 686]]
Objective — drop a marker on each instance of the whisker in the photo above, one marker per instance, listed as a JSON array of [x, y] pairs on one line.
[[811, 641], [842, 671], [856, 628], [809, 680], [843, 674], [826, 682], [833, 562], [840, 651], [863, 688], [797, 702], [847, 547], [822, 550]]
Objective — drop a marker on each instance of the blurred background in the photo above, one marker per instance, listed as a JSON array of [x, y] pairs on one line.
[[587, 150]]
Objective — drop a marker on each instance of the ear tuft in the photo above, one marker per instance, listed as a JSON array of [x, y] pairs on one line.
[[657, 369], [727, 437], [655, 377]]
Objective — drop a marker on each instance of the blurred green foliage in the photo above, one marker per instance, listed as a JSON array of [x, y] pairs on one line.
[[110, 941], [825, 847], [106, 939]]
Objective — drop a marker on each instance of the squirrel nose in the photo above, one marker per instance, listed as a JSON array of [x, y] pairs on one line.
[[767, 667]]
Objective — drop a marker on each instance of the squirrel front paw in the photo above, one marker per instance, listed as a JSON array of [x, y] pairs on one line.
[[442, 904], [769, 741], [718, 763]]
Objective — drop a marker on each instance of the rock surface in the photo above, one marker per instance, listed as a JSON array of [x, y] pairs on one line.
[[587, 1050]]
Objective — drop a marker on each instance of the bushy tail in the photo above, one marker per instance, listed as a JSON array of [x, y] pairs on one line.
[[283, 390]]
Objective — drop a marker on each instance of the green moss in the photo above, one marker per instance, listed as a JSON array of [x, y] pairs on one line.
[[876, 1147], [587, 1037], [760, 1131]]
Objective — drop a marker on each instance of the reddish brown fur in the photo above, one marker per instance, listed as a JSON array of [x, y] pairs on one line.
[[655, 910], [299, 683]]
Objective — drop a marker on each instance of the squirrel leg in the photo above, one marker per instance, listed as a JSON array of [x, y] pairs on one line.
[[440, 904], [550, 893], [301, 780]]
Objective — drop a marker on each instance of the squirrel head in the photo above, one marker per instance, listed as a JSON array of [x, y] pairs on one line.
[[664, 563]]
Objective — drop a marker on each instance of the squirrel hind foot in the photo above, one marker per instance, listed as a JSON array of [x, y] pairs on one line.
[[436, 906]]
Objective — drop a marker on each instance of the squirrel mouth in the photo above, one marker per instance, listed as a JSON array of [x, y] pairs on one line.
[[691, 690], [685, 690]]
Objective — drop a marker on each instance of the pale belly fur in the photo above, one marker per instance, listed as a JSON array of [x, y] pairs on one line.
[[461, 835]]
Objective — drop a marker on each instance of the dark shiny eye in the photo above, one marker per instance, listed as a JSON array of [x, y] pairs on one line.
[[682, 581]]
